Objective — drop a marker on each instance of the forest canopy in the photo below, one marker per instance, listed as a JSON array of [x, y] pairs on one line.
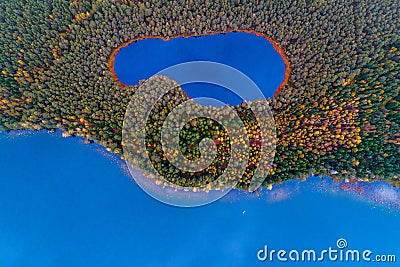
[[338, 115]]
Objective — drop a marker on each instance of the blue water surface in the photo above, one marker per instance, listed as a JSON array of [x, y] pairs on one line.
[[63, 203], [251, 54]]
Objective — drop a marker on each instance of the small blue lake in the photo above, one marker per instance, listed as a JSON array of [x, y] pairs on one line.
[[63, 203], [253, 55]]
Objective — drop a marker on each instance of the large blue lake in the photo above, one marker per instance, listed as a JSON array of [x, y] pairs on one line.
[[64, 203]]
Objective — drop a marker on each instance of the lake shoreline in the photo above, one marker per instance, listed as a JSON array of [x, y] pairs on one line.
[[277, 48], [363, 190]]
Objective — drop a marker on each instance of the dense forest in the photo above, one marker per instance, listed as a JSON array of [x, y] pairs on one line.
[[338, 115]]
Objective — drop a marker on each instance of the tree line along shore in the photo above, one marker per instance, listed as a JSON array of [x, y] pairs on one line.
[[337, 114]]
